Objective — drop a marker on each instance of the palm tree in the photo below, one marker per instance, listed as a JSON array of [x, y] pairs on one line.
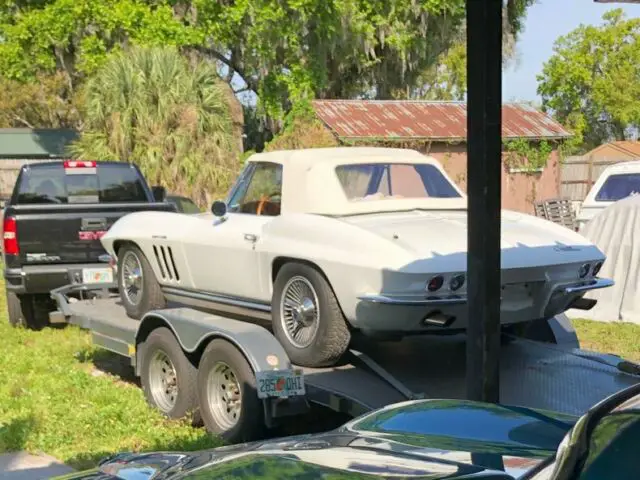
[[171, 117]]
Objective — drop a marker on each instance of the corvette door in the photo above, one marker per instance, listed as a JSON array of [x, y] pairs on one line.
[[222, 255]]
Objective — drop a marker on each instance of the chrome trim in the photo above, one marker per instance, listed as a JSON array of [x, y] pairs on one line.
[[219, 303], [588, 285], [412, 300]]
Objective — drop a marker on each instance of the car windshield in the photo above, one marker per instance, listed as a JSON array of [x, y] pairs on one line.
[[377, 181], [619, 186]]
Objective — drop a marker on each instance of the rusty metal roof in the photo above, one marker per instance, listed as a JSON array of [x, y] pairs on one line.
[[426, 120]]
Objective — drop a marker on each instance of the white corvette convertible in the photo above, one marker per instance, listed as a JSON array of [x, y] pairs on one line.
[[323, 242]]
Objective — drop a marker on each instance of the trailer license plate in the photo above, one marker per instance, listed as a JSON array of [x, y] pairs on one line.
[[97, 275], [280, 383]]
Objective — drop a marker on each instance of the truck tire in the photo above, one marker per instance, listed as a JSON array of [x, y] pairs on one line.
[[227, 395], [23, 312], [139, 289], [167, 376], [311, 328]]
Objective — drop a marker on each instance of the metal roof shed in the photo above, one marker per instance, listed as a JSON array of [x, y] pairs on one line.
[[27, 143]]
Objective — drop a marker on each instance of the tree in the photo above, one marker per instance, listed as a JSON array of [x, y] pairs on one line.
[[43, 103], [75, 36], [282, 50], [151, 107], [591, 84]]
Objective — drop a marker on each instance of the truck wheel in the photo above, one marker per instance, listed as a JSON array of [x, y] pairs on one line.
[[139, 290], [227, 395], [307, 319], [167, 376], [23, 313]]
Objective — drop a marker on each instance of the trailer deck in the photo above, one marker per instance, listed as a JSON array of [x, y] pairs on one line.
[[375, 374]]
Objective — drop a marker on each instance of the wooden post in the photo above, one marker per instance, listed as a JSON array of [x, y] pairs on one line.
[[484, 168]]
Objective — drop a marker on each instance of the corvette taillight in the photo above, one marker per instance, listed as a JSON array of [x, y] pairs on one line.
[[10, 236]]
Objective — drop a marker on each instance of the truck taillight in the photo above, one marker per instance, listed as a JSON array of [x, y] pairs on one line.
[[10, 236]]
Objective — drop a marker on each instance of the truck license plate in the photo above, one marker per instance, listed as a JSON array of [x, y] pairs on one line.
[[97, 275], [280, 383]]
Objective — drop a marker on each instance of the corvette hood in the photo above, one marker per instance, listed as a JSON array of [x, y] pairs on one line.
[[525, 240]]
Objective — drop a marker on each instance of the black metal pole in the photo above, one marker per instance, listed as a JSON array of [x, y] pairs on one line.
[[484, 170]]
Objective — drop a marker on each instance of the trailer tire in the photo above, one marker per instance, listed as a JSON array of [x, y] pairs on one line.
[[23, 312], [149, 295], [167, 376], [331, 337], [224, 373]]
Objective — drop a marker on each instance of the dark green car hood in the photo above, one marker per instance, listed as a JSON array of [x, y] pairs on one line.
[[428, 439]]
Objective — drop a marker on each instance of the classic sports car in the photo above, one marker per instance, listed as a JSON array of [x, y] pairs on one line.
[[325, 241]]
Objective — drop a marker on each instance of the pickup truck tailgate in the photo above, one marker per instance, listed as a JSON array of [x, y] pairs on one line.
[[70, 234]]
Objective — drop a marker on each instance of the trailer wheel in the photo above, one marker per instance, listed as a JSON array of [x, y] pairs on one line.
[[307, 319], [23, 312], [227, 395], [139, 290], [167, 376]]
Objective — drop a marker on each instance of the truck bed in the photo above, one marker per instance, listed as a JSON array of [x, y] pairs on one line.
[[532, 374]]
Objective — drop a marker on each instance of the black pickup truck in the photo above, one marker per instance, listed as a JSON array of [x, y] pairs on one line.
[[52, 226]]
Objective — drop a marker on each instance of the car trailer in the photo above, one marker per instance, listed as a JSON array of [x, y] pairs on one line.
[[238, 378]]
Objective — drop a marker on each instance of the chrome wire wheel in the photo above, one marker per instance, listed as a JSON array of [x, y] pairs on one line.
[[225, 396], [163, 381], [300, 311], [132, 277]]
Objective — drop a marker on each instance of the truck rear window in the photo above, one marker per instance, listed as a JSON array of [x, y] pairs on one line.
[[105, 183]]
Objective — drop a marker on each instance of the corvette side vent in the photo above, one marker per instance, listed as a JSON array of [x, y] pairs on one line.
[[176, 275], [166, 262]]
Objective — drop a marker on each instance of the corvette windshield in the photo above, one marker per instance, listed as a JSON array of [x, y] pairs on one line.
[[377, 181]]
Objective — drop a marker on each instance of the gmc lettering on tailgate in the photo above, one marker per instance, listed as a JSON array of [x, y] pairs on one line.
[[97, 235]]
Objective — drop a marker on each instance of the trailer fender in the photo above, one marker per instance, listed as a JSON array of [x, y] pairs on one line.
[[194, 329]]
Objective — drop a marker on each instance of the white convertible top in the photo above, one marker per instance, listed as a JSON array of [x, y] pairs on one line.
[[310, 183], [616, 231]]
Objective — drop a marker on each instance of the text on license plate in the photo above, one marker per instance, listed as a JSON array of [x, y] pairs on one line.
[[280, 383], [97, 275]]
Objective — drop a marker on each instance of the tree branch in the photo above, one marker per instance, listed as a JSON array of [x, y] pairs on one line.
[[23, 121], [251, 83]]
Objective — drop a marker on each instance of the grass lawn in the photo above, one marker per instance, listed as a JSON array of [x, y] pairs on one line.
[[619, 338], [54, 400]]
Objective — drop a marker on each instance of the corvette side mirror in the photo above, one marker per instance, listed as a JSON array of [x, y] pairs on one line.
[[219, 208]]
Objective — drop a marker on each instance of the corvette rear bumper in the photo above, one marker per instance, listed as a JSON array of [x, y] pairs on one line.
[[415, 300], [413, 313]]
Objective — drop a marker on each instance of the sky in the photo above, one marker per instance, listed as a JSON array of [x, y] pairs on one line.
[[546, 21]]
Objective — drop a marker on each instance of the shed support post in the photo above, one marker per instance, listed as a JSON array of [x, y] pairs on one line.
[[484, 178]]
